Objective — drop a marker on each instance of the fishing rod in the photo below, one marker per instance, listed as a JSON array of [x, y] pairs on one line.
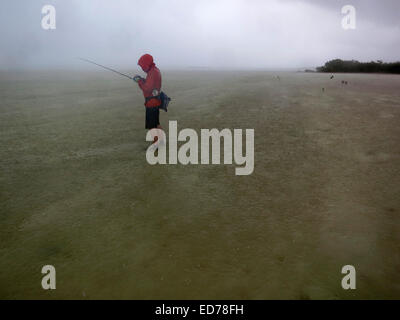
[[107, 68]]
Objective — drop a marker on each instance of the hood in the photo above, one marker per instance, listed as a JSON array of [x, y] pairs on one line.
[[146, 62]]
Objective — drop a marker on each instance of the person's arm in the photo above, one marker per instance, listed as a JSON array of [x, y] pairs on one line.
[[146, 84]]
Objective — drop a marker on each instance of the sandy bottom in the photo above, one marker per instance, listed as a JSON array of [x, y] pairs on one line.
[[76, 191]]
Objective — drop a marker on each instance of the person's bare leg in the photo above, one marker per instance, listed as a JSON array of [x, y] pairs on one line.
[[159, 138], [156, 134]]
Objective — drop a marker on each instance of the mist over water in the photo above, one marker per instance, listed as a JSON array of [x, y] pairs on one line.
[[208, 34]]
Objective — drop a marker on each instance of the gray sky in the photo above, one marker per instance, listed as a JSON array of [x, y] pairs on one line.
[[201, 33]]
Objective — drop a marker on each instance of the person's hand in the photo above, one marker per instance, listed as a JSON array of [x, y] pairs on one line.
[[137, 78]]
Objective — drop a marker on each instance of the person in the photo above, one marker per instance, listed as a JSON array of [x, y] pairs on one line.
[[151, 87]]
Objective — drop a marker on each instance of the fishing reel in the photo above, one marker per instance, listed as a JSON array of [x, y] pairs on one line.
[[137, 78]]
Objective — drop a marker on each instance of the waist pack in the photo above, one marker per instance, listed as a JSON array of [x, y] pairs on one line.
[[164, 100]]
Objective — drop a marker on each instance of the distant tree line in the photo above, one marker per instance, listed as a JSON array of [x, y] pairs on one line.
[[353, 66]]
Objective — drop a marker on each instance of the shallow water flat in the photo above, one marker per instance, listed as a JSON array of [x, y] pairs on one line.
[[76, 191]]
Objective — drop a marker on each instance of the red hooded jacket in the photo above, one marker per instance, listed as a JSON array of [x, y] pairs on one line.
[[152, 81]]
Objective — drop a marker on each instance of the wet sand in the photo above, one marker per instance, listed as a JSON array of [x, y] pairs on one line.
[[76, 191]]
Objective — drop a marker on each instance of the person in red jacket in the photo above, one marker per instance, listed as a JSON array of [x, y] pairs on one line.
[[151, 87]]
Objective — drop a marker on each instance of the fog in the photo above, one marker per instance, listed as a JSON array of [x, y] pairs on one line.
[[197, 34]]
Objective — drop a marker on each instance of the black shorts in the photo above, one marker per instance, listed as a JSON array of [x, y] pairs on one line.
[[152, 117]]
